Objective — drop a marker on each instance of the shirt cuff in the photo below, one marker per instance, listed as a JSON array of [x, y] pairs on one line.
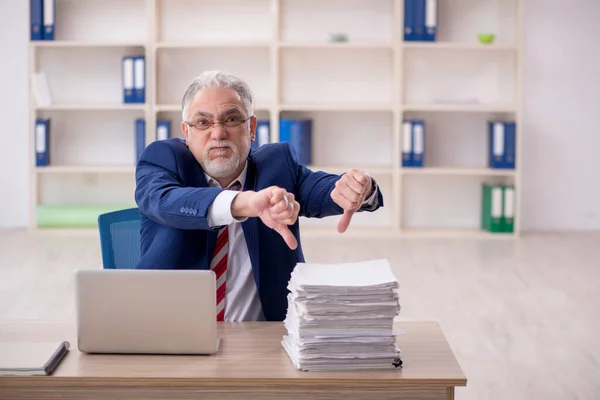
[[219, 213], [373, 197]]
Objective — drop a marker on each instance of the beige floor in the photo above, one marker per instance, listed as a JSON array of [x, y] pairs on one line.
[[523, 317]]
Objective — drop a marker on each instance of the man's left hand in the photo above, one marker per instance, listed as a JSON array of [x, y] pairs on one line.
[[350, 192]]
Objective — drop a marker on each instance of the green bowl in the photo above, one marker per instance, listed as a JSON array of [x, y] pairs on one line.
[[486, 38]]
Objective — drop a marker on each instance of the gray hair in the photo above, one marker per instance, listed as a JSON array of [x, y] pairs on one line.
[[217, 79]]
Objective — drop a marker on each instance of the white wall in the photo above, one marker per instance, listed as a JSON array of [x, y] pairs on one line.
[[561, 167], [14, 152]]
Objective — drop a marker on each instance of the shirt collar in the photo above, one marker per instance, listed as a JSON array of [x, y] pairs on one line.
[[241, 178]]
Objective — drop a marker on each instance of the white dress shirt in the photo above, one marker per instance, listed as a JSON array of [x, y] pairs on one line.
[[241, 296]]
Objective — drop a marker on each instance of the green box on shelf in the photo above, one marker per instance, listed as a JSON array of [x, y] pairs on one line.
[[72, 216]]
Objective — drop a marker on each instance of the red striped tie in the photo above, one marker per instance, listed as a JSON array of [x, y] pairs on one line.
[[219, 266]]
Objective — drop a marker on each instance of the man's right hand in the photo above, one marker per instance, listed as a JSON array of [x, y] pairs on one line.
[[274, 206]]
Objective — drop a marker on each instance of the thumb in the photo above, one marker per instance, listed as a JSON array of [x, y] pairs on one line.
[[287, 236], [345, 221]]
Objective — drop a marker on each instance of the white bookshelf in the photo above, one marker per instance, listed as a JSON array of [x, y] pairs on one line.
[[357, 93]]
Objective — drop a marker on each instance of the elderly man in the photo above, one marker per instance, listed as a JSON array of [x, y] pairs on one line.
[[208, 202]]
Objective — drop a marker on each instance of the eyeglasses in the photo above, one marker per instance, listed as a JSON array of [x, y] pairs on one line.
[[231, 122]]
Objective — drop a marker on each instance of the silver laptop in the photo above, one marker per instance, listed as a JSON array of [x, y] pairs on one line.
[[146, 311]]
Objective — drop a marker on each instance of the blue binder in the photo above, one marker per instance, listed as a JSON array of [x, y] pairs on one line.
[[418, 143], [37, 19], [49, 19], [419, 18], [299, 134], [42, 142], [140, 137], [139, 79], [127, 75], [263, 134], [509, 144], [409, 20], [430, 32], [496, 144], [163, 129], [407, 143]]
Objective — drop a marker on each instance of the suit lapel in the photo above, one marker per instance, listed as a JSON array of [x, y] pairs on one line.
[[250, 226]]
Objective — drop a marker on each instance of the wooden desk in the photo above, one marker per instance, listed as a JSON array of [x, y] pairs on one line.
[[251, 364]]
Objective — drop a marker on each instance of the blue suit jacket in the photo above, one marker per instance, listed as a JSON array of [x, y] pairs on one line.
[[174, 198]]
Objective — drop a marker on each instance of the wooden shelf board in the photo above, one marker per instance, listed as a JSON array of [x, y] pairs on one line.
[[338, 107], [456, 46], [340, 45], [389, 232], [308, 232], [86, 169], [77, 43], [339, 169], [212, 44], [460, 107], [331, 232], [167, 107], [453, 233], [458, 171], [92, 107], [259, 106]]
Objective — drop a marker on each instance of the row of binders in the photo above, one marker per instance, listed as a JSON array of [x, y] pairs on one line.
[[263, 134], [163, 132], [42, 138], [134, 79], [42, 19], [501, 144], [498, 208], [296, 131], [420, 20]]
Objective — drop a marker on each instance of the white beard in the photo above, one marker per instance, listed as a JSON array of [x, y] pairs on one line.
[[223, 167]]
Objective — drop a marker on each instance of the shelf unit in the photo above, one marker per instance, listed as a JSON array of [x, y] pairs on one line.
[[357, 93]]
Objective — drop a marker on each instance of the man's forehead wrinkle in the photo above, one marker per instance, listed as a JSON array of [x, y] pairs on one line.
[[203, 113]]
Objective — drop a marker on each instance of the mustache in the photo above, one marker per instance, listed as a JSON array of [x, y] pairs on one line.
[[221, 143]]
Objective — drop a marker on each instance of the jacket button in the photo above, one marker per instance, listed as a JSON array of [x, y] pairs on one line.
[[181, 210]]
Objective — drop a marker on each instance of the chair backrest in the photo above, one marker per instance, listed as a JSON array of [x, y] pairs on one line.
[[120, 238]]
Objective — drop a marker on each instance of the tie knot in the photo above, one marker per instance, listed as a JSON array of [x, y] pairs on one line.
[[235, 186]]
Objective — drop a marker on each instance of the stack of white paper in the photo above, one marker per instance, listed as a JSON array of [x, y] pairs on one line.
[[341, 316]]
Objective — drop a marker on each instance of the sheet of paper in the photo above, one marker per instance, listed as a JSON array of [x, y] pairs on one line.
[[345, 274]]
